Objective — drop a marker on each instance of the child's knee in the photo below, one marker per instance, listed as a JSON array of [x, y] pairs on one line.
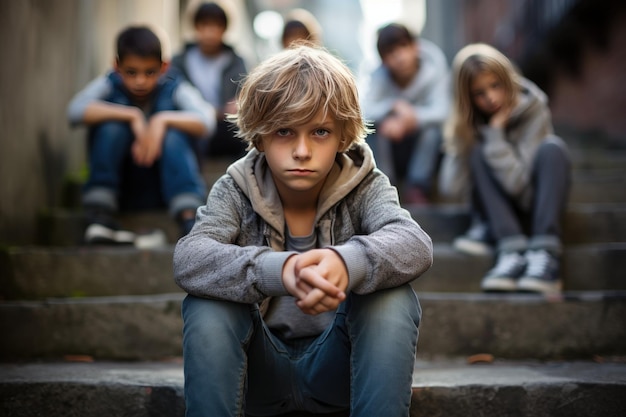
[[393, 306], [216, 318]]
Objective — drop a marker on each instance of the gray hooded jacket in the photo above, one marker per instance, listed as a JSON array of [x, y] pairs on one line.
[[510, 152], [236, 249]]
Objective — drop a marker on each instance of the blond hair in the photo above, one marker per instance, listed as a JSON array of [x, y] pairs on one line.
[[472, 60], [291, 87]]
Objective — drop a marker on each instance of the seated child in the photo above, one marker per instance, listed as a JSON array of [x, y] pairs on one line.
[[144, 123], [407, 98], [500, 148], [214, 68], [298, 267]]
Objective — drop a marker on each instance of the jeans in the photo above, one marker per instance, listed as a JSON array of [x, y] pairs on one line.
[[174, 179], [235, 366], [414, 160], [550, 180]]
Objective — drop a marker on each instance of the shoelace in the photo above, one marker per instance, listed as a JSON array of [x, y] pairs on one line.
[[506, 262], [537, 262]]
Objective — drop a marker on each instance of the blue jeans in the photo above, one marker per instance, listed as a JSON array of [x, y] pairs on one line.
[[363, 361], [174, 179]]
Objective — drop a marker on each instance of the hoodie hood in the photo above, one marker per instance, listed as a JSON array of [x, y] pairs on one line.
[[252, 174], [530, 98]]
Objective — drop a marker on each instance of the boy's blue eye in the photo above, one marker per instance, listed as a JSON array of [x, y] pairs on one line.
[[282, 132], [322, 132]]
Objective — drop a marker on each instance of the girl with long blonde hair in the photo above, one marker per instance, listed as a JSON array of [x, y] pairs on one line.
[[502, 155]]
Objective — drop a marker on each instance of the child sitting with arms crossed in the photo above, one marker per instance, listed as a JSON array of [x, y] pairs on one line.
[[298, 267], [499, 140], [143, 124]]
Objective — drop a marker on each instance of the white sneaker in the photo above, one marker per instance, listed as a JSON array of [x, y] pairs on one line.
[[475, 241], [99, 234], [153, 239], [504, 275]]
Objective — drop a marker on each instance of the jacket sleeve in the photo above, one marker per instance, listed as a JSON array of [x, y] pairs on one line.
[[188, 98], [212, 261], [511, 161], [390, 249], [433, 108], [377, 100], [97, 89]]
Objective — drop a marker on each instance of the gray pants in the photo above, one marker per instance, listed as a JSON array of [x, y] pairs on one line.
[[413, 161], [507, 221]]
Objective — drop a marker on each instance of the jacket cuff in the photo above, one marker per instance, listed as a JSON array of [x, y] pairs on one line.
[[353, 259], [271, 283]]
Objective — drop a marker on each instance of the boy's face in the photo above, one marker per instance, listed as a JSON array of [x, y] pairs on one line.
[[209, 36], [402, 61], [300, 157], [140, 75]]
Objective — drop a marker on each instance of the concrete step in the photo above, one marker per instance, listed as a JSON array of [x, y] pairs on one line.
[[590, 158], [575, 325], [32, 273], [583, 223], [38, 272], [66, 227], [596, 266], [450, 388], [609, 187]]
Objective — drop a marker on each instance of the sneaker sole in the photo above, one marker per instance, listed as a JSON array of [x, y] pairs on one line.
[[152, 240], [531, 284], [499, 284], [471, 247], [99, 234]]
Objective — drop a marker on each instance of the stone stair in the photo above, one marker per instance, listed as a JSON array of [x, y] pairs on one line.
[[95, 331]]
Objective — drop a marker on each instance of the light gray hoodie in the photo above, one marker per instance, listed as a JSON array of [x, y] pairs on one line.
[[509, 151], [236, 249], [428, 92]]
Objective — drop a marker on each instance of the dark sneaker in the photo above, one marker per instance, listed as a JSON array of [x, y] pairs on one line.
[[103, 230], [542, 273], [504, 275], [476, 241]]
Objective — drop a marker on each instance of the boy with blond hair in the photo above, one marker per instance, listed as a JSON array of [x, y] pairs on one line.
[[299, 264]]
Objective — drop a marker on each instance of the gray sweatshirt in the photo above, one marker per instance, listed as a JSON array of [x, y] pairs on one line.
[[428, 93], [510, 151], [236, 249]]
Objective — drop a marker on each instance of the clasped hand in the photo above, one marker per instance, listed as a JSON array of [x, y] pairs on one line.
[[317, 279], [149, 135], [400, 122]]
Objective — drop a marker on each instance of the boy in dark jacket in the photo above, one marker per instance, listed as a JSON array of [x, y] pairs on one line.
[[214, 68], [143, 124]]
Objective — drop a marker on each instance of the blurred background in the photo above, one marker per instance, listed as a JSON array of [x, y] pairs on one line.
[[574, 49]]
